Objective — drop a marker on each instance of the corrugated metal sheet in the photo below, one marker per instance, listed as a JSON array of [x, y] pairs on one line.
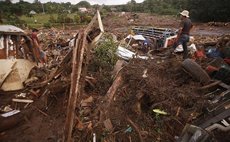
[[9, 29]]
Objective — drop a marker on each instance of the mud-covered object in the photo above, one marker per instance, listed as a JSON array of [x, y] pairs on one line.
[[223, 74], [226, 52], [213, 52], [195, 71], [193, 133]]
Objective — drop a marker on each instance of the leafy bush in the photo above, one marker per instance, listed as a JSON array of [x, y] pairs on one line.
[[47, 25], [77, 19], [104, 60], [214, 10], [105, 53], [68, 20], [52, 19], [61, 18], [14, 20], [85, 18]]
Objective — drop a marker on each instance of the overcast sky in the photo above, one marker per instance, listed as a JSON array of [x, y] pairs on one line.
[[106, 2]]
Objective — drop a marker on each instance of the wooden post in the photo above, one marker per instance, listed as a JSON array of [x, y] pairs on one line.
[[5, 49], [16, 43], [75, 77]]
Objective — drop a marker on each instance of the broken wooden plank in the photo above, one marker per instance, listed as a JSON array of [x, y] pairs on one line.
[[113, 89], [7, 74], [211, 85], [22, 100], [75, 85], [41, 111], [224, 86], [108, 125], [109, 97], [136, 128], [8, 114], [77, 79]]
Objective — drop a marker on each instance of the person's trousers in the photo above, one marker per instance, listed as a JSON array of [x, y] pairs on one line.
[[184, 38]]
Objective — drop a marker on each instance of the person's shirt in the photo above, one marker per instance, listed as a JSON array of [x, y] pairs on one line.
[[34, 38], [186, 25]]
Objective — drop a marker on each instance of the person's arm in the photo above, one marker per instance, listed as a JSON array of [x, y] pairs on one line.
[[181, 26], [36, 44], [191, 28], [179, 30]]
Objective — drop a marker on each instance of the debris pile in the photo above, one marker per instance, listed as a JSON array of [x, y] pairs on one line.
[[97, 88]]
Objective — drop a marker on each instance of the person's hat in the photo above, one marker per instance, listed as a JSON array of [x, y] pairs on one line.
[[35, 30], [185, 13]]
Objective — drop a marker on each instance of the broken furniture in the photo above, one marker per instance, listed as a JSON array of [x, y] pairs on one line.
[[217, 115], [15, 58], [217, 94], [193, 133]]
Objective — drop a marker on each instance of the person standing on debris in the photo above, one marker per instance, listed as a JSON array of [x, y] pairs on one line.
[[40, 55], [184, 32]]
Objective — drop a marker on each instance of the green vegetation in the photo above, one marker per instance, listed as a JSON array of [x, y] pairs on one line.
[[201, 10], [103, 63], [49, 20], [40, 18], [55, 13], [105, 53], [211, 10]]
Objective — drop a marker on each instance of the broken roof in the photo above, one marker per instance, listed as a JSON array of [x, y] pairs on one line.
[[10, 29]]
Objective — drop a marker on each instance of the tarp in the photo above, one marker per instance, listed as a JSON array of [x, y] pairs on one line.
[[127, 54], [136, 37]]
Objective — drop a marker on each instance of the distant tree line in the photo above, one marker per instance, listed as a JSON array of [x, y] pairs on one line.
[[11, 11], [210, 10], [200, 10], [23, 8]]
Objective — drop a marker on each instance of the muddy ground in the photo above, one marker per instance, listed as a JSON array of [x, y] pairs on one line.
[[166, 87]]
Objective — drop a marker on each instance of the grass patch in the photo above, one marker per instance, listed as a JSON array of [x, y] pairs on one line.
[[41, 19]]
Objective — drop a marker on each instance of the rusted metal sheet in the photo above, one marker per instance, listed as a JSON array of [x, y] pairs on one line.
[[14, 73]]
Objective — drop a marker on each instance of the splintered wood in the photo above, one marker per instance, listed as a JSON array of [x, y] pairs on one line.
[[77, 78], [74, 90]]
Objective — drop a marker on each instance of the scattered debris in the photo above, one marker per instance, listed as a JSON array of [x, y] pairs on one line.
[[118, 103], [22, 101], [158, 111], [13, 112]]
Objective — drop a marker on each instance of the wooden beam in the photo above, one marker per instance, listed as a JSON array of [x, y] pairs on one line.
[[22, 100], [75, 76], [77, 79]]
